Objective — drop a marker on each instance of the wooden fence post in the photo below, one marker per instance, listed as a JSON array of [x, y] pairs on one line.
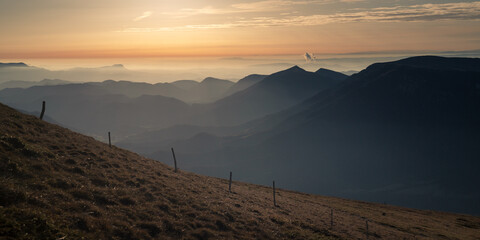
[[230, 183], [43, 110], [366, 227], [174, 160], [331, 217], [109, 140], [274, 201]]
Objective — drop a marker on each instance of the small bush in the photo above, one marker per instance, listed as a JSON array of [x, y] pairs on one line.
[[151, 228], [77, 170], [203, 234], [13, 142], [99, 182], [102, 200], [82, 224], [70, 161], [221, 225], [163, 207], [80, 194], [127, 201], [59, 183], [9, 196]]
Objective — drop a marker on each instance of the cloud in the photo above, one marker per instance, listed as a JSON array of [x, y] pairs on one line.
[[309, 57], [413, 13], [259, 6], [269, 5], [187, 12], [143, 16]]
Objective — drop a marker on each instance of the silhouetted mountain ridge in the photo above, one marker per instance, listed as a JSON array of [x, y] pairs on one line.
[[275, 92], [405, 132]]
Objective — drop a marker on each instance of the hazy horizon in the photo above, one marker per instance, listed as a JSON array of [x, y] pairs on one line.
[[169, 69], [175, 40]]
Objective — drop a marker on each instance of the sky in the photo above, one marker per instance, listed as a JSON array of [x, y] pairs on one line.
[[188, 29]]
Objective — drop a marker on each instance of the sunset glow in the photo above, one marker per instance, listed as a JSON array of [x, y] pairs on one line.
[[147, 28]]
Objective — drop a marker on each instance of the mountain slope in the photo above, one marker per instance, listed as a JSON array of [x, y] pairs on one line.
[[210, 89], [245, 83], [57, 184], [327, 73]]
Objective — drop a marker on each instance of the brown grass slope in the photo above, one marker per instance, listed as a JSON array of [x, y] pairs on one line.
[[58, 184]]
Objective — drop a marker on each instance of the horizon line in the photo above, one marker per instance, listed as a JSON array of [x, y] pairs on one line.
[[56, 55]]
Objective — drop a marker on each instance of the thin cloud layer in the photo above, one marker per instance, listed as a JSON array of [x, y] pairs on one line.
[[259, 6], [143, 16], [423, 12]]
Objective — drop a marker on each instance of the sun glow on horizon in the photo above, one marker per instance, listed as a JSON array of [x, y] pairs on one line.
[[147, 28]]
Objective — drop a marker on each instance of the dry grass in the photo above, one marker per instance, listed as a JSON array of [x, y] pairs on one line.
[[57, 184]]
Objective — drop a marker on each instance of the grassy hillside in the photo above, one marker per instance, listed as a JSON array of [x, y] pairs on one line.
[[57, 184]]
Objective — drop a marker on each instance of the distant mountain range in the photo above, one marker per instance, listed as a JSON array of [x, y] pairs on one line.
[[208, 90], [405, 132], [245, 83], [27, 84], [94, 107], [23, 72], [273, 93]]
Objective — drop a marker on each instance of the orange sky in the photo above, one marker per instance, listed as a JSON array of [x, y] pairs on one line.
[[149, 28]]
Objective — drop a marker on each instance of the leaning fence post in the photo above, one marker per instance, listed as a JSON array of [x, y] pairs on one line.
[[230, 183], [174, 160], [366, 227], [109, 140], [43, 110], [331, 217], [274, 202]]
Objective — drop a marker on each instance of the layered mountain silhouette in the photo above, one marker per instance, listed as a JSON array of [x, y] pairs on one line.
[[188, 91], [244, 83], [265, 95], [97, 107], [27, 84], [404, 132], [274, 93], [208, 90], [24, 72]]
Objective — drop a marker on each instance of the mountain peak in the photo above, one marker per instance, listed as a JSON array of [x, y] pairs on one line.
[[109, 81], [323, 70], [210, 79], [327, 73], [213, 80], [295, 68]]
